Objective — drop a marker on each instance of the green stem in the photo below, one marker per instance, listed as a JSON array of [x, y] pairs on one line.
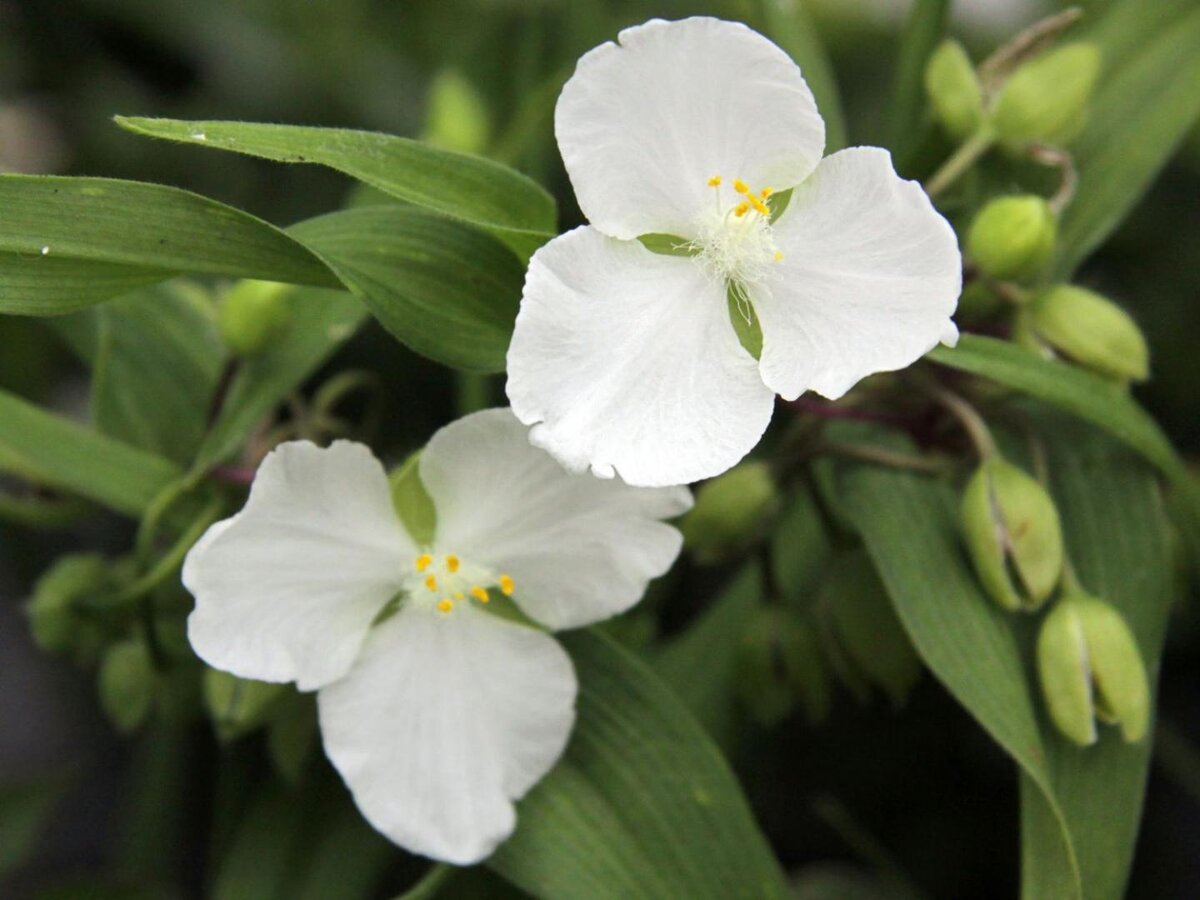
[[889, 458], [970, 419], [473, 392], [431, 883], [960, 162]]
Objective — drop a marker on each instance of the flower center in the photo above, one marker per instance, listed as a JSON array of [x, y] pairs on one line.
[[441, 582], [735, 243]]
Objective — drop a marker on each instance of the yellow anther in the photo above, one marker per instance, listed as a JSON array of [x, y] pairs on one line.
[[431, 582], [715, 181], [506, 585], [741, 209], [766, 192], [452, 563], [740, 186], [423, 562], [759, 207], [480, 594], [778, 255], [445, 605]]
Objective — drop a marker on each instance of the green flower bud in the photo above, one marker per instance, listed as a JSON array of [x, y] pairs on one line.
[[52, 619], [731, 511], [252, 315], [1091, 331], [457, 117], [780, 666], [238, 706], [1090, 668], [127, 684], [954, 90], [865, 626], [1013, 535], [1046, 99], [1013, 238]]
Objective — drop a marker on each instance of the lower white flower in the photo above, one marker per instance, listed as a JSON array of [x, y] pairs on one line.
[[439, 713]]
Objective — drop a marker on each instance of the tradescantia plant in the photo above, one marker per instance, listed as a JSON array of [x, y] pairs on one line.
[[912, 437]]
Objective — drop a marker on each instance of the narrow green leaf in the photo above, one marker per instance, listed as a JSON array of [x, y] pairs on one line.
[[1145, 104], [909, 526], [68, 243], [789, 24], [58, 453], [156, 358], [1114, 523], [924, 31], [1081, 393], [447, 290], [467, 187], [319, 322], [642, 804]]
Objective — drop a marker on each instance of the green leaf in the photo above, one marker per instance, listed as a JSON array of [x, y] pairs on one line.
[[1145, 104], [24, 812], [447, 290], [466, 187], [68, 243], [642, 804], [909, 526], [319, 322], [789, 24], [924, 31], [156, 358], [58, 453], [1082, 393], [1114, 523]]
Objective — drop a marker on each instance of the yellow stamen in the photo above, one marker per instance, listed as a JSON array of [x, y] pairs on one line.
[[741, 209], [431, 582], [740, 186], [759, 207], [445, 605], [766, 192], [506, 585], [452, 563], [778, 255], [715, 181], [423, 562], [480, 594]]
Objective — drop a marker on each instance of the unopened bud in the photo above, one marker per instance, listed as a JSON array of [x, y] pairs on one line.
[[457, 118], [1013, 238], [238, 706], [52, 617], [252, 315], [1013, 535], [866, 627], [780, 666], [731, 511], [1090, 330], [126, 684], [1090, 668], [1046, 100], [954, 90]]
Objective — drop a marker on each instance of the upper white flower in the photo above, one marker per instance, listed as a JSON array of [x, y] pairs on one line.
[[441, 714], [626, 360]]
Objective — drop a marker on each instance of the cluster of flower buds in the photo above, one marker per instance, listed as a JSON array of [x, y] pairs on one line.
[[1088, 661], [1043, 101]]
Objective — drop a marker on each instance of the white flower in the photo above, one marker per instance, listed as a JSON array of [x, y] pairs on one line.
[[442, 714], [626, 360]]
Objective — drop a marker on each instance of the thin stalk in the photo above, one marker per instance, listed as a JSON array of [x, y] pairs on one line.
[[1026, 45], [430, 884], [970, 419], [888, 458], [960, 162]]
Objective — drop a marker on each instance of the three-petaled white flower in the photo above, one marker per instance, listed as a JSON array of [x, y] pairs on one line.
[[626, 360], [442, 713]]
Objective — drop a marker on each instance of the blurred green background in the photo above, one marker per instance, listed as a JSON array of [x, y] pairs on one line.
[[923, 790]]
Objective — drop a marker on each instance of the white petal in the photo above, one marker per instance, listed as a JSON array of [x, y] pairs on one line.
[[628, 361], [579, 549], [643, 125], [443, 722], [286, 589], [870, 276]]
